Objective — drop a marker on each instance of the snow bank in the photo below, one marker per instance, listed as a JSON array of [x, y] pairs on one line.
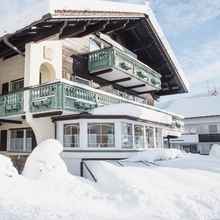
[[6, 167], [122, 193], [156, 154], [45, 160], [215, 151]]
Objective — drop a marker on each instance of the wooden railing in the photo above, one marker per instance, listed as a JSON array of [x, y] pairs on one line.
[[62, 96], [12, 104], [109, 58]]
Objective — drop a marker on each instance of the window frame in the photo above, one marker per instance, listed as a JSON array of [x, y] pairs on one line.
[[16, 81], [123, 135], [100, 145], [135, 136], [77, 125]]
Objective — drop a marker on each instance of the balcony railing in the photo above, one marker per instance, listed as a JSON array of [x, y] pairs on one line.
[[12, 104], [113, 58], [63, 96]]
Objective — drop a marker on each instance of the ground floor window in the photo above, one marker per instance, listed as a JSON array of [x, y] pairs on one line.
[[101, 135], [127, 135], [22, 140], [158, 137], [139, 136], [71, 135], [149, 132]]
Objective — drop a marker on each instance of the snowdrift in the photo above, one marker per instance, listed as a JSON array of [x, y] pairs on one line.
[[46, 191], [156, 154], [6, 167], [44, 160], [215, 151]]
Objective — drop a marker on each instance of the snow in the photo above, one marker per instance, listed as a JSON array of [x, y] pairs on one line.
[[34, 11], [152, 155], [215, 151], [6, 167], [193, 162], [122, 193], [45, 159], [145, 113]]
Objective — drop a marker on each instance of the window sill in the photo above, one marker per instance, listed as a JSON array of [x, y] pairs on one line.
[[110, 150]]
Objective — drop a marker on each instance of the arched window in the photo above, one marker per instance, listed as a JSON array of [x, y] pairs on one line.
[[47, 73], [71, 136]]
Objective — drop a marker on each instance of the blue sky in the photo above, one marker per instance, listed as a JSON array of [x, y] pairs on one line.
[[192, 29], [191, 26]]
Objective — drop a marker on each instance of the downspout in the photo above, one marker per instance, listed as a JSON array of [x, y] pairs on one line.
[[10, 45]]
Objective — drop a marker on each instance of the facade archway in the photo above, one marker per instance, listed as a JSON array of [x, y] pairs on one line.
[[47, 73]]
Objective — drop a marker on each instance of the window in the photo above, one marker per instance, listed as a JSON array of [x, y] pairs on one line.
[[149, 136], [213, 129], [71, 135], [158, 137], [101, 135], [17, 85], [22, 140], [127, 135], [139, 136]]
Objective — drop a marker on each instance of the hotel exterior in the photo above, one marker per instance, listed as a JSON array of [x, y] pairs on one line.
[[87, 76]]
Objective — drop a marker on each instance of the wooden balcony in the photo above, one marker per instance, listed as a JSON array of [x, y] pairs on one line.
[[119, 67], [61, 96], [12, 104]]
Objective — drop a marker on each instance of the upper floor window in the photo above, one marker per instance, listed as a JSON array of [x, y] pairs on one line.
[[213, 129], [16, 85], [101, 135], [71, 135]]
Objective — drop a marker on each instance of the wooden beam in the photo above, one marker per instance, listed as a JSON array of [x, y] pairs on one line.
[[117, 81], [47, 114], [135, 87], [101, 72], [10, 121]]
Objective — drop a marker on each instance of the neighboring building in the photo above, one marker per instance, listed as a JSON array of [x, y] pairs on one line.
[[87, 76], [202, 122]]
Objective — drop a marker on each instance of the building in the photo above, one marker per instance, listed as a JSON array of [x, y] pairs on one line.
[[202, 122], [87, 75]]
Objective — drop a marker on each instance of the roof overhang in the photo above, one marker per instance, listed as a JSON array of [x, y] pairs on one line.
[[133, 26]]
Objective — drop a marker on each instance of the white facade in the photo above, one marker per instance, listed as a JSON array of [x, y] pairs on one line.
[[42, 96], [201, 123]]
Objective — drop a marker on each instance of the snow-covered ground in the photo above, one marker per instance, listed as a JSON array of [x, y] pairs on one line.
[[169, 191]]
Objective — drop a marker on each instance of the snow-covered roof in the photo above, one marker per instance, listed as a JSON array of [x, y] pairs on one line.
[[191, 107], [41, 8], [26, 22], [138, 112]]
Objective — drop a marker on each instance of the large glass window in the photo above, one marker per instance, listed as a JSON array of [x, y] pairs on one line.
[[127, 135], [101, 135], [149, 132], [22, 140], [71, 135], [139, 136]]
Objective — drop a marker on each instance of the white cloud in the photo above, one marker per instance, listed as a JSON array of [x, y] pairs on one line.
[[202, 63], [180, 15], [17, 15]]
